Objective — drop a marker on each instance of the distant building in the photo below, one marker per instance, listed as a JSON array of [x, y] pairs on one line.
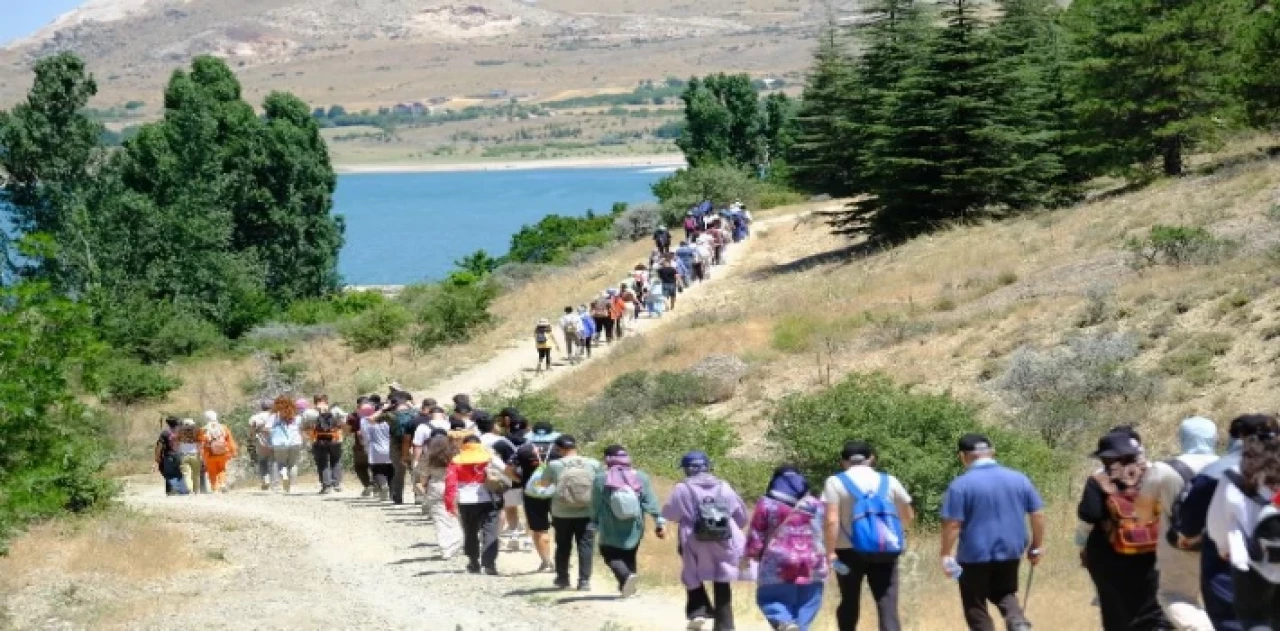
[[498, 94]]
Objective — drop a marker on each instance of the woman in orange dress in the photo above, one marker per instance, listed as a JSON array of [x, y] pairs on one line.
[[219, 447]]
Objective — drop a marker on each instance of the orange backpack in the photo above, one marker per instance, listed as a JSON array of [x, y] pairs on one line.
[[1128, 534]]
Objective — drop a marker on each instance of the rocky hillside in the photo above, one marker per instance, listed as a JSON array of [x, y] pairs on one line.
[[374, 52]]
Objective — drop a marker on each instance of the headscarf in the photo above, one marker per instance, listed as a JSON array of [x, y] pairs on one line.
[[787, 486], [620, 474], [210, 416], [695, 462], [1198, 435]]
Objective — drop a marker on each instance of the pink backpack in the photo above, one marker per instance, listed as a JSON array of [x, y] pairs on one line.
[[794, 546]]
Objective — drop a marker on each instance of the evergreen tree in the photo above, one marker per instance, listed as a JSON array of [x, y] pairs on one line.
[[1148, 78], [819, 156], [1259, 62], [777, 126]]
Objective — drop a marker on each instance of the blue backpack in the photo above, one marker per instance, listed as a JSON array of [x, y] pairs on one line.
[[875, 530]]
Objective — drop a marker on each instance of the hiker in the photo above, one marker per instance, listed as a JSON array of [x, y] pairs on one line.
[[712, 518], [401, 404], [440, 494], [617, 312], [588, 331], [517, 435], [189, 448], [505, 451], [622, 496], [600, 309], [573, 477], [168, 462], [1120, 552], [326, 445], [690, 226], [544, 339], [657, 302], [530, 465], [219, 448], [861, 501], [630, 303], [286, 440], [571, 326], [360, 451], [463, 413], [786, 541], [662, 239], [1163, 488], [1244, 520], [478, 505], [376, 430], [640, 278], [260, 428], [705, 245], [984, 513], [688, 257], [669, 277], [1216, 581]]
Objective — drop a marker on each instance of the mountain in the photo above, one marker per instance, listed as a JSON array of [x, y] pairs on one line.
[[368, 53]]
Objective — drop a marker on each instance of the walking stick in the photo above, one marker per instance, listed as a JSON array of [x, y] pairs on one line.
[[1031, 577]]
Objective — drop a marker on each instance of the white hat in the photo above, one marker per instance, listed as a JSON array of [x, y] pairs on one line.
[[187, 422], [210, 416], [543, 322], [311, 414]]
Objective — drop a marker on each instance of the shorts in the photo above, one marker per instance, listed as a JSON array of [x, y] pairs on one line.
[[537, 512], [513, 498], [669, 290]]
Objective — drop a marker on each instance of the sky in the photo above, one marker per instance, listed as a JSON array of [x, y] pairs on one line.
[[23, 17]]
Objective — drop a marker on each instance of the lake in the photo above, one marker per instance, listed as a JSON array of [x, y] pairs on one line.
[[409, 227]]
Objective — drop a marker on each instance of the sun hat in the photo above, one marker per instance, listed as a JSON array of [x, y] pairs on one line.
[[543, 322]]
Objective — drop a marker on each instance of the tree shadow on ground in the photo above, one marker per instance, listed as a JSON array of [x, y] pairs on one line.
[[844, 255]]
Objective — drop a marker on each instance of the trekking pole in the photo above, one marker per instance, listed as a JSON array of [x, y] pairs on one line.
[[1031, 577]]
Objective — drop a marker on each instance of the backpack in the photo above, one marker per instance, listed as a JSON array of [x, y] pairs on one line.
[[624, 503], [574, 326], [540, 335], [1175, 511], [218, 441], [573, 489], [600, 308], [712, 520], [1128, 535], [690, 224], [327, 424], [792, 546], [496, 480], [533, 487], [1263, 542], [875, 529]]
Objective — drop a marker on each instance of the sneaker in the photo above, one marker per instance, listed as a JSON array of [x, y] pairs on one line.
[[630, 585], [513, 545], [789, 626], [266, 486], [324, 490], [584, 586], [337, 488], [546, 566], [561, 583], [368, 492], [697, 624], [384, 495], [473, 568], [493, 571], [288, 484]]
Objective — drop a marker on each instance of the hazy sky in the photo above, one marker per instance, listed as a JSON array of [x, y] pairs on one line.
[[23, 17]]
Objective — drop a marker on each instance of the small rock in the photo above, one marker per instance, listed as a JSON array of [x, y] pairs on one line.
[[721, 374]]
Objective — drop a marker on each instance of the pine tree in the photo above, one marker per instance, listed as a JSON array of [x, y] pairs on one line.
[[1259, 59], [1148, 77], [819, 157]]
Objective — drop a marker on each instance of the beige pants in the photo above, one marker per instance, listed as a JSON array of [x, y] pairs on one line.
[[448, 530], [1180, 589]]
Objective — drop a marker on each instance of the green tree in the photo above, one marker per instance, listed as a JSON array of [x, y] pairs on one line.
[[478, 263], [1259, 61], [723, 122], [776, 126], [720, 184], [1148, 78], [820, 155]]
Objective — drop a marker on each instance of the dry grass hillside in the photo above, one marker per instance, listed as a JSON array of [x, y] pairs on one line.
[[380, 52]]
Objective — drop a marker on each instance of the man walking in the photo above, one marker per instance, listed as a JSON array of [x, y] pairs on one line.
[[841, 493], [984, 511], [573, 477]]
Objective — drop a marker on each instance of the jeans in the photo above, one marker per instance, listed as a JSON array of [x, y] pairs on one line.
[[787, 603], [621, 562], [995, 582], [480, 533], [572, 531], [698, 605], [400, 469], [881, 577], [328, 456], [382, 474], [1257, 601]]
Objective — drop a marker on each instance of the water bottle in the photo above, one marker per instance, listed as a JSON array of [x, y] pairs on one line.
[[839, 567], [952, 568]]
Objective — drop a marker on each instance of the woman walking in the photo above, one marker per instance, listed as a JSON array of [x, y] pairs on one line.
[[376, 430], [286, 440], [711, 518], [622, 496], [544, 339], [478, 507], [189, 448], [441, 492], [219, 448], [786, 540], [360, 451]]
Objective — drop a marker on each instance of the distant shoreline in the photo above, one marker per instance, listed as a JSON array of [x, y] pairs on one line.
[[668, 161]]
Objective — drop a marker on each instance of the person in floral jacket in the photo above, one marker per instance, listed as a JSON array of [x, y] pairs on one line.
[[785, 539]]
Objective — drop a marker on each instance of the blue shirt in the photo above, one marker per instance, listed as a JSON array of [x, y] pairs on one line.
[[991, 502]]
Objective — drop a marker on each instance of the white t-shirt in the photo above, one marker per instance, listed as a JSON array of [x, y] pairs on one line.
[[422, 434], [1231, 519], [570, 322], [377, 440], [261, 424], [865, 479]]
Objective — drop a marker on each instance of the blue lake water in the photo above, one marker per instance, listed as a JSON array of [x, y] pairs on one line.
[[410, 227]]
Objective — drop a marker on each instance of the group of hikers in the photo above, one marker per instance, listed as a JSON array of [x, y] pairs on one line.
[[651, 287]]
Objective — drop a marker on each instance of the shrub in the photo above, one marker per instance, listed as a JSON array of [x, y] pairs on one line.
[[376, 328], [793, 333], [914, 434], [554, 237], [773, 196], [688, 187], [454, 311], [128, 381], [312, 311], [1097, 307], [1175, 245], [1191, 356], [638, 395], [153, 330], [637, 223]]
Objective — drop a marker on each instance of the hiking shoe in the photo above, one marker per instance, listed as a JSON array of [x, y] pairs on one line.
[[368, 492], [561, 583], [584, 586], [630, 585], [697, 624], [493, 571], [384, 495], [546, 566], [473, 568], [337, 488], [324, 490], [288, 484], [266, 486]]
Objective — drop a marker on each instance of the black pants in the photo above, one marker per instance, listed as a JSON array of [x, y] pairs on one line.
[[604, 328], [585, 343], [621, 562], [882, 577], [360, 459], [1257, 601], [382, 474], [698, 605], [544, 354], [328, 457], [399, 468], [1127, 587], [480, 532], [570, 532], [996, 583]]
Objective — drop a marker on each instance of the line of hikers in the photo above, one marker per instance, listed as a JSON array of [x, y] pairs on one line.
[[652, 286], [1188, 543]]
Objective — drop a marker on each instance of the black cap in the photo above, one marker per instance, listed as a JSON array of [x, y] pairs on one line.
[[565, 441], [974, 443], [1252, 424], [543, 427], [1116, 445], [517, 425], [857, 450], [463, 409]]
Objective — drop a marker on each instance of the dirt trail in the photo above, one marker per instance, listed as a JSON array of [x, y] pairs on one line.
[[312, 561]]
